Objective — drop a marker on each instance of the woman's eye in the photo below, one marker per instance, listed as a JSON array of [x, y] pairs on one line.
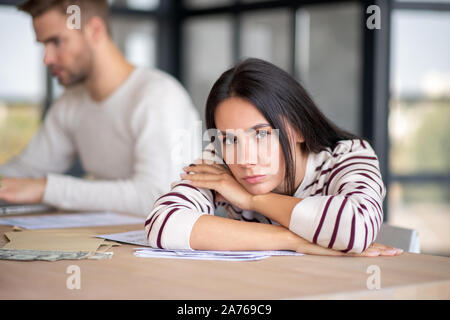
[[229, 140], [261, 134]]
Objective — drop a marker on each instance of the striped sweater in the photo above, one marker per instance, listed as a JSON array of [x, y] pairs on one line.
[[342, 193]]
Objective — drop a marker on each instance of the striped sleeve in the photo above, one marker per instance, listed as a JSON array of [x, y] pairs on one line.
[[348, 214], [173, 216]]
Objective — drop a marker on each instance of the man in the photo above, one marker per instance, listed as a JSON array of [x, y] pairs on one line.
[[120, 120]]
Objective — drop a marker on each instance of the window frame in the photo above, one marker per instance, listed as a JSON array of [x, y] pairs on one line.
[[420, 177]]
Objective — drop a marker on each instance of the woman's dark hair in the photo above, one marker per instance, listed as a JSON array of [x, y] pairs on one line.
[[279, 97]]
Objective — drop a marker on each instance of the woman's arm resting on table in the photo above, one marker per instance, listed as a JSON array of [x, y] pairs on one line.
[[215, 232], [218, 233]]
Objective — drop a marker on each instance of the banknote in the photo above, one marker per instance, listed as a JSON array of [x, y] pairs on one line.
[[101, 255], [29, 255]]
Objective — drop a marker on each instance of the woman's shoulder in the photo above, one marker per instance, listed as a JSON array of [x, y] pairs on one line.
[[351, 147], [346, 153], [344, 150]]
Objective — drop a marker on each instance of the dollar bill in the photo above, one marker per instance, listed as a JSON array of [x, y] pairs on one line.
[[101, 255], [30, 255]]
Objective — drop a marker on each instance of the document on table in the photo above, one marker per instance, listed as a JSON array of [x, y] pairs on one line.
[[200, 255], [71, 220], [139, 238], [210, 254]]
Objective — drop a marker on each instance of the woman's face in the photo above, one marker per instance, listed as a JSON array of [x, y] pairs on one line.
[[250, 146]]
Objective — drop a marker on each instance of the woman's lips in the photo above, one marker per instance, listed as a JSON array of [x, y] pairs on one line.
[[254, 179]]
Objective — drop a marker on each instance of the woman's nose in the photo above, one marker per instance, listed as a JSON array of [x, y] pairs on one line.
[[247, 153]]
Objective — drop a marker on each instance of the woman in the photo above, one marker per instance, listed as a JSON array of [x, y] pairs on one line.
[[289, 179]]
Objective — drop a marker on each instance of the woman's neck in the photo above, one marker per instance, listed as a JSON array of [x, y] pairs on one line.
[[301, 161], [300, 164]]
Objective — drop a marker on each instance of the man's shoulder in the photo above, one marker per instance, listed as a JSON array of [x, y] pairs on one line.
[[154, 80], [153, 88]]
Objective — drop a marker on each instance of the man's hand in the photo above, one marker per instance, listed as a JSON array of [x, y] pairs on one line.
[[22, 190]]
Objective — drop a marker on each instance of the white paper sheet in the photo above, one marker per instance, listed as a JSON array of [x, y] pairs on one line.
[[198, 255], [210, 255], [71, 220], [138, 237]]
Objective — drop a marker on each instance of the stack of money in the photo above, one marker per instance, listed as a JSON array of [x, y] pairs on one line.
[[47, 255], [53, 245]]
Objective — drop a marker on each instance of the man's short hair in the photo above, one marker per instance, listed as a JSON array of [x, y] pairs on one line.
[[88, 9]]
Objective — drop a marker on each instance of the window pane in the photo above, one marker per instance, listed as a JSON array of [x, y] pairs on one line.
[[136, 38], [420, 92], [208, 53], [425, 208], [267, 35], [425, 1], [201, 4], [20, 55], [254, 1], [136, 4], [328, 60], [22, 82]]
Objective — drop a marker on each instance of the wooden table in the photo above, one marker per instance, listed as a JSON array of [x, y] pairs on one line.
[[409, 276]]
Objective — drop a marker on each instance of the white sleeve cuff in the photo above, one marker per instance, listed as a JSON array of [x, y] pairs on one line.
[[52, 191]]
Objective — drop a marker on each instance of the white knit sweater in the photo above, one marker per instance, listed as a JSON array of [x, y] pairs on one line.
[[125, 143]]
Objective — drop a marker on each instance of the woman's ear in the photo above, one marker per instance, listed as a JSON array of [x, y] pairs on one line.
[[296, 137]]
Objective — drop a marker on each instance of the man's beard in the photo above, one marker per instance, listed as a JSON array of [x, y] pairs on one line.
[[72, 79], [79, 76]]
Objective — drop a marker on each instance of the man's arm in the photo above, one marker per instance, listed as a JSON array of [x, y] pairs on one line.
[[154, 124], [50, 150]]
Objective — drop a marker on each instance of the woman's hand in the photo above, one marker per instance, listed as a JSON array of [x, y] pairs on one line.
[[378, 249], [220, 179], [375, 250]]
